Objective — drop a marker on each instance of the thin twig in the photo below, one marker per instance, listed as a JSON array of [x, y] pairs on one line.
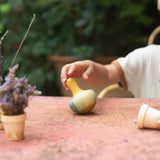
[[3, 37], [1, 57], [23, 40]]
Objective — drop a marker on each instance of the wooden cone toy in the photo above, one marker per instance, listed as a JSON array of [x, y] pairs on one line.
[[83, 101], [148, 117]]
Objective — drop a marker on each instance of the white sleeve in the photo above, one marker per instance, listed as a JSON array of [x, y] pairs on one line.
[[140, 70]]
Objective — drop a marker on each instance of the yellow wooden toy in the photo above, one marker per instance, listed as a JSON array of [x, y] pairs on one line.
[[83, 101]]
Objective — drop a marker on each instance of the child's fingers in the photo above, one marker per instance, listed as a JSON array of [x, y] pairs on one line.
[[76, 70], [73, 71], [87, 73], [64, 76]]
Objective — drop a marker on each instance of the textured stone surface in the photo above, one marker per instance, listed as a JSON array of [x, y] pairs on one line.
[[54, 132]]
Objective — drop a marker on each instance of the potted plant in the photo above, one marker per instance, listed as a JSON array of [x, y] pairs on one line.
[[13, 100], [14, 95]]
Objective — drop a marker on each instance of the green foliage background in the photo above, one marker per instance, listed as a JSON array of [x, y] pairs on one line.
[[79, 28]]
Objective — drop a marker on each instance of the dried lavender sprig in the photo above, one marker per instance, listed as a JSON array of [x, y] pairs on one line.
[[1, 57]]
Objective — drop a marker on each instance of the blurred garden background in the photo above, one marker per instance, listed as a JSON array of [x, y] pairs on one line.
[[82, 29]]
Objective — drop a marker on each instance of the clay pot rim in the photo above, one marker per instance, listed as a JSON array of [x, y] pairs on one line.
[[9, 118]]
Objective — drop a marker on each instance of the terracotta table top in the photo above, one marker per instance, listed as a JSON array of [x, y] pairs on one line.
[[54, 132]]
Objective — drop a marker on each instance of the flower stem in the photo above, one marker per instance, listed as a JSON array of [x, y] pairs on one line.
[[23, 40]]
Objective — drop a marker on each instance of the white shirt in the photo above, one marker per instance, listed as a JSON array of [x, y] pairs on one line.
[[141, 70]]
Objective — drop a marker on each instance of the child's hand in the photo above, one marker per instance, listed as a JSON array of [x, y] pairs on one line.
[[92, 72], [79, 69]]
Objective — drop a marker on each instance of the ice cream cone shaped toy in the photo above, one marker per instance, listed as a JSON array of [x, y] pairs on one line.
[[83, 101], [148, 117]]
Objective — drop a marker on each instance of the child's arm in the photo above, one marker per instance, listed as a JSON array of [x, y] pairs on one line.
[[92, 72]]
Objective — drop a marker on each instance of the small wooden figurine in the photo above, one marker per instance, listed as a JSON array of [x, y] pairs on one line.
[[83, 101]]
